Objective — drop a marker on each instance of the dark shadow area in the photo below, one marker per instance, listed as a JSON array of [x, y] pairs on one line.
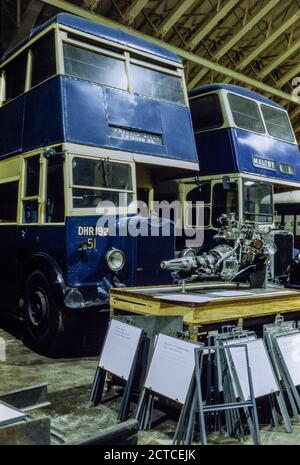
[[87, 339]]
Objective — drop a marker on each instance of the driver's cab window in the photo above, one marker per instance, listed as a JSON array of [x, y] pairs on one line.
[[257, 201], [198, 206], [224, 201], [31, 190], [55, 203], [100, 180]]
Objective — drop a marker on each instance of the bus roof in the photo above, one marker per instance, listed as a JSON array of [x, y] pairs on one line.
[[99, 30], [237, 89]]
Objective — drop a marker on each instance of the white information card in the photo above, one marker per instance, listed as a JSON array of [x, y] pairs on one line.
[[10, 415], [171, 368], [119, 348], [263, 377], [289, 346]]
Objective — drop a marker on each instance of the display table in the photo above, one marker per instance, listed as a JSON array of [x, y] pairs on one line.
[[205, 305]]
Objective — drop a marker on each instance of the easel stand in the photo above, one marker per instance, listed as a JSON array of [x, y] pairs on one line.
[[140, 359], [196, 407], [271, 333], [274, 401], [169, 376]]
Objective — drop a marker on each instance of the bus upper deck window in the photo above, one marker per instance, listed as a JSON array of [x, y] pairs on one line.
[[257, 201], [92, 66], [15, 75], [43, 59], [277, 123], [156, 84], [245, 113], [206, 112], [95, 181]]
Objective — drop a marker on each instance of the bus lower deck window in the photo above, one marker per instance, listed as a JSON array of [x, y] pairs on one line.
[[8, 202], [55, 202], [224, 201]]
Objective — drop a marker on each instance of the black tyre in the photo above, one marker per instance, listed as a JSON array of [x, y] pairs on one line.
[[46, 324]]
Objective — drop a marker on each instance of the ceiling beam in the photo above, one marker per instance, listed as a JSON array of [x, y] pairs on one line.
[[266, 42], [282, 57], [288, 77], [189, 56], [133, 10], [295, 113], [236, 38], [28, 21], [180, 8], [90, 4], [211, 23], [246, 28]]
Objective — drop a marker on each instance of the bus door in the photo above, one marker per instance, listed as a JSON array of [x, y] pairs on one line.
[[42, 210], [30, 214]]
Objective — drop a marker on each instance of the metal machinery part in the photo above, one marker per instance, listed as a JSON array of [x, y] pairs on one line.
[[245, 259]]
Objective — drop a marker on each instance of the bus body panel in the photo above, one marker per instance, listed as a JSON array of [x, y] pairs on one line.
[[11, 127], [44, 122], [221, 149], [102, 31], [250, 145], [66, 109], [89, 267]]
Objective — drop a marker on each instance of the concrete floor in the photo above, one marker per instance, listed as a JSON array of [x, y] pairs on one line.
[[69, 382]]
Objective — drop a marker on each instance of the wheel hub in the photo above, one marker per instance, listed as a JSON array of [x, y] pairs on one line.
[[38, 308]]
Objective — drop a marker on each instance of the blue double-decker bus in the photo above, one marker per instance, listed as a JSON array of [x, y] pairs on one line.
[[88, 114], [249, 165]]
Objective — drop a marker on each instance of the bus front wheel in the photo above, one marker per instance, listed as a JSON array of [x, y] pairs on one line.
[[46, 324]]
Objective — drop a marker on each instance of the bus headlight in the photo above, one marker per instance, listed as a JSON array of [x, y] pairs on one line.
[[115, 259]]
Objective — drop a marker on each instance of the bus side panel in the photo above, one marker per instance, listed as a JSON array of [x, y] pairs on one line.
[[251, 144], [8, 268], [11, 126], [85, 113], [89, 267], [43, 115], [45, 240], [137, 113], [178, 132], [143, 254], [216, 152]]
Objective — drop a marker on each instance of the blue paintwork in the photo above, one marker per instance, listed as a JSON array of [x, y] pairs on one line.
[[66, 109], [99, 30], [230, 150], [84, 270], [90, 268], [237, 89]]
